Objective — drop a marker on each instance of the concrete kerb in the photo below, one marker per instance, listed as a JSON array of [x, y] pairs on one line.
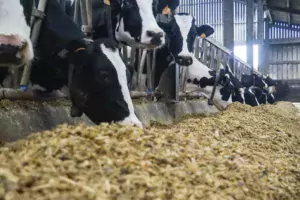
[[19, 122]]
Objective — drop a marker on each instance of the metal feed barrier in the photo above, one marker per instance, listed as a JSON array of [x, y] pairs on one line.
[[207, 51]]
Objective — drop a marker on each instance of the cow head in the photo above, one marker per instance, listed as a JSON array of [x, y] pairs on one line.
[[15, 43], [271, 84], [253, 80], [99, 86], [181, 34], [250, 98], [137, 25], [200, 78], [238, 90]]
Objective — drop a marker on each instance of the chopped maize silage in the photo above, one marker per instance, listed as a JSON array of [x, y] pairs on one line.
[[241, 153]]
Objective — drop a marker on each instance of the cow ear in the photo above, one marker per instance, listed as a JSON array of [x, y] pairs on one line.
[[205, 30]]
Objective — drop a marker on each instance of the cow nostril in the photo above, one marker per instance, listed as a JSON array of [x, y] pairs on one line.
[[150, 33], [155, 34]]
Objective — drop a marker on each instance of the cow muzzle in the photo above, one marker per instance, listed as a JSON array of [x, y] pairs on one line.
[[156, 37], [12, 49], [184, 60]]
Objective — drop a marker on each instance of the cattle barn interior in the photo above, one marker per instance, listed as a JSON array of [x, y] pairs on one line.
[[149, 99]]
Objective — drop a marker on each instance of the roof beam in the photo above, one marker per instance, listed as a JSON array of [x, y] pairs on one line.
[[287, 10]]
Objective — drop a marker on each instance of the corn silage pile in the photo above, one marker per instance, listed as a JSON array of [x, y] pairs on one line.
[[241, 153]]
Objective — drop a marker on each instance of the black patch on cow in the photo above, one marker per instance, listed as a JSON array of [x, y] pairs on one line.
[[49, 70], [27, 9], [132, 19], [250, 98], [260, 95], [172, 4], [271, 99], [237, 96], [270, 81], [252, 80]]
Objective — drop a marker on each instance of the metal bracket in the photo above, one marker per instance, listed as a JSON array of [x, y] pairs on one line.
[[37, 13]]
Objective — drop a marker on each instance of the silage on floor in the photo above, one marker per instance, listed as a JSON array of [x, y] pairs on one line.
[[241, 153]]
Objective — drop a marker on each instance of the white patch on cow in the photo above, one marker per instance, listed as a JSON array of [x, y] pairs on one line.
[[13, 23], [242, 92], [148, 24], [198, 70], [120, 67], [184, 23], [271, 89]]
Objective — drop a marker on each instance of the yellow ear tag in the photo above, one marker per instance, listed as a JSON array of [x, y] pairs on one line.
[[203, 35], [166, 11], [107, 2]]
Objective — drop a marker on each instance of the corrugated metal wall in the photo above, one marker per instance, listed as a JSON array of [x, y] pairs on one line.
[[285, 62], [210, 11]]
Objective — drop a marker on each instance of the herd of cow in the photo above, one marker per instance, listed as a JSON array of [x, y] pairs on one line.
[[94, 71]]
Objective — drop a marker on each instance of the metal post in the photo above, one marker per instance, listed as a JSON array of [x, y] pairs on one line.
[[249, 35], [153, 68], [265, 69], [39, 14], [177, 72], [228, 32], [76, 11], [149, 73], [197, 48], [260, 33]]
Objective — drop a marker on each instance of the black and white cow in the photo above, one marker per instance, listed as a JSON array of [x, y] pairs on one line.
[[263, 88], [98, 84], [271, 89], [181, 33], [15, 44], [133, 22]]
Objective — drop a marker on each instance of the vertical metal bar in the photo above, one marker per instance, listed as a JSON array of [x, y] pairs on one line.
[[249, 22], [260, 33], [197, 48], [153, 67], [228, 35], [177, 68], [266, 48]]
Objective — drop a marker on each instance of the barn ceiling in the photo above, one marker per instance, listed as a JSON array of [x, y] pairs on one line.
[[287, 11]]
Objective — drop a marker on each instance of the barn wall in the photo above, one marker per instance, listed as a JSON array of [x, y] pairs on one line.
[[210, 11], [284, 61]]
